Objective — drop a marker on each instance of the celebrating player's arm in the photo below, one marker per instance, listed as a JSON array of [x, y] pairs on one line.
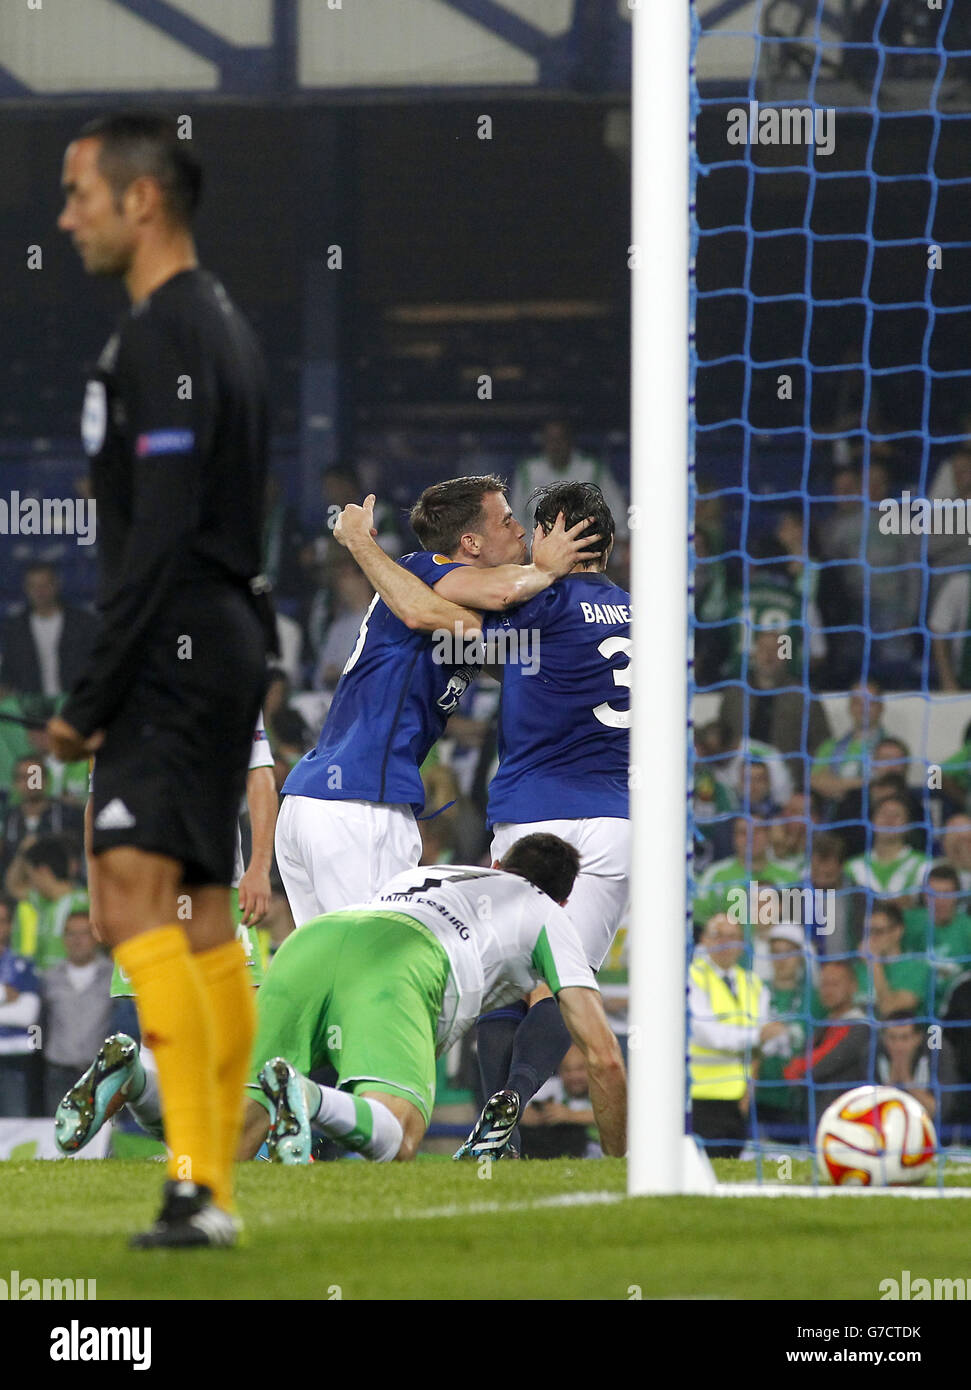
[[262, 800], [583, 1013], [420, 608], [489, 589]]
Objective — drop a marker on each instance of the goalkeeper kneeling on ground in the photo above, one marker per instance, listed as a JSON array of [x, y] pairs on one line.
[[377, 992]]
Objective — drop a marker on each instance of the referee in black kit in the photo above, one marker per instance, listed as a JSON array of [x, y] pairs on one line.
[[174, 423]]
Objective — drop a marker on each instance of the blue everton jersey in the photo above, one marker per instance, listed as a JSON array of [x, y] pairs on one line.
[[390, 707], [564, 720]]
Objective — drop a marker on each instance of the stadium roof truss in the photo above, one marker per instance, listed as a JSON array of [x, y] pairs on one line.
[[283, 49]]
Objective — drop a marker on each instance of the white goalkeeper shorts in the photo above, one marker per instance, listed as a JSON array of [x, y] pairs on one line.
[[332, 854], [600, 896]]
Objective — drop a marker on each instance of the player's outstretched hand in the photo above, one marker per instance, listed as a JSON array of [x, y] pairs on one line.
[[559, 551], [355, 522], [67, 744]]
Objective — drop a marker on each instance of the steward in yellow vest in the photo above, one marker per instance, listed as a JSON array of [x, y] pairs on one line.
[[729, 1011], [720, 1073]]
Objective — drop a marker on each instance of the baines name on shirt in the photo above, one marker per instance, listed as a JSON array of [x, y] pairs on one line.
[[605, 612]]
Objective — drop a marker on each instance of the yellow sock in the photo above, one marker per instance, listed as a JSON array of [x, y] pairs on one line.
[[173, 1010], [229, 989]]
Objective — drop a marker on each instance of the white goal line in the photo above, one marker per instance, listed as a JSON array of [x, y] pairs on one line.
[[752, 1189], [746, 1189]]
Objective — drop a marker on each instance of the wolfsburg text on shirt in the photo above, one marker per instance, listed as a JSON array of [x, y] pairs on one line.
[[459, 925]]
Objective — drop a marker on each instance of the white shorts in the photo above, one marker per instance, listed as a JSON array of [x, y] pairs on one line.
[[601, 893], [334, 853]]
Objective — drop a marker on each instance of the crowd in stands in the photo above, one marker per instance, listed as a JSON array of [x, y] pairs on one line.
[[848, 887], [853, 848], [856, 591]]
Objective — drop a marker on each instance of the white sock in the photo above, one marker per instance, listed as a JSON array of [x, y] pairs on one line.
[[366, 1126], [147, 1106]]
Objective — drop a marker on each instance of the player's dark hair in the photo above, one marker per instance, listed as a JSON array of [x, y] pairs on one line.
[[140, 144], [546, 861], [50, 852], [445, 511], [576, 501]]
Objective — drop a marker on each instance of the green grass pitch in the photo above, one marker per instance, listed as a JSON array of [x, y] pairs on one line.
[[437, 1230]]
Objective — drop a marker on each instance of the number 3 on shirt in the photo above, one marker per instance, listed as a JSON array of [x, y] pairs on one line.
[[615, 718]]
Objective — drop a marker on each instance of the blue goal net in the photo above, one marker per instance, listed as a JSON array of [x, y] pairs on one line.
[[831, 564]]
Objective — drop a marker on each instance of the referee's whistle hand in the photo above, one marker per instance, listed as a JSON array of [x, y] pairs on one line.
[[67, 744]]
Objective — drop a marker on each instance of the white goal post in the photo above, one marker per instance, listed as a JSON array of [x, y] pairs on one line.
[[660, 1159]]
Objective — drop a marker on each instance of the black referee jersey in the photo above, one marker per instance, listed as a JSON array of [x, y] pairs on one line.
[[175, 425]]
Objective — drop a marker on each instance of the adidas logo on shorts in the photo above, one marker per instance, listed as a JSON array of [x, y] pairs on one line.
[[114, 816]]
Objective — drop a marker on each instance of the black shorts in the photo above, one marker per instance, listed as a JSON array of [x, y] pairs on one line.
[[171, 773]]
